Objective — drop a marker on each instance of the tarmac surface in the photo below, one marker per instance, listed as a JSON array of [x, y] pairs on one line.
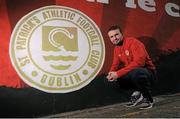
[[165, 106]]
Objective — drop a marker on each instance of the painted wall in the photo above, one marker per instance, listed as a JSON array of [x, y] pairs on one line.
[[156, 23]]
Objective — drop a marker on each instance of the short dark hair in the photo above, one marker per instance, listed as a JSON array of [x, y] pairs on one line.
[[114, 27]]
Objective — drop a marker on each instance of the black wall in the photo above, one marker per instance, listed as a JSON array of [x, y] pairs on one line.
[[30, 102]]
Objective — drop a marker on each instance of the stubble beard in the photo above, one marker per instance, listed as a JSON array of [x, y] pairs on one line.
[[119, 41]]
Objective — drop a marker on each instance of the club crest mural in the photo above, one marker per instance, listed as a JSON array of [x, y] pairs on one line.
[[57, 49]]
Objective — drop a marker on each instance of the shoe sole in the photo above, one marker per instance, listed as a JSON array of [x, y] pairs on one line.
[[137, 102], [146, 107]]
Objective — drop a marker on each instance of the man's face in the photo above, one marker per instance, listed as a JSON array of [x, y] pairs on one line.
[[115, 36]]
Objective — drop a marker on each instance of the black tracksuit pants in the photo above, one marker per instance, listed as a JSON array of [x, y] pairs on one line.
[[140, 79]]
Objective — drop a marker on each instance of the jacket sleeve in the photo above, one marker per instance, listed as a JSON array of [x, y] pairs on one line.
[[116, 62], [139, 56]]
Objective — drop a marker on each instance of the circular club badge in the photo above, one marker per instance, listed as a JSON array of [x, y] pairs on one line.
[[57, 49]]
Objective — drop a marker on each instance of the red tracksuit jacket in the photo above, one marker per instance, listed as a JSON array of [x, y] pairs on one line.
[[130, 55]]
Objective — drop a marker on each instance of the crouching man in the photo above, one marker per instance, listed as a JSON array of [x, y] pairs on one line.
[[132, 66]]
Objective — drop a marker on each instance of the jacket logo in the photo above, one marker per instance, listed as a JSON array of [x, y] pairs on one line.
[[127, 52]]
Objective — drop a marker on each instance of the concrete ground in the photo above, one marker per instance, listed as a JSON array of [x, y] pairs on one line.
[[166, 106]]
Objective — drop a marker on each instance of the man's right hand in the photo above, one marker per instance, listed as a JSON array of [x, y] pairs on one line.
[[112, 76], [109, 77]]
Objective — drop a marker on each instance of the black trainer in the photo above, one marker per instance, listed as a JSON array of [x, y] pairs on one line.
[[134, 100], [146, 104]]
